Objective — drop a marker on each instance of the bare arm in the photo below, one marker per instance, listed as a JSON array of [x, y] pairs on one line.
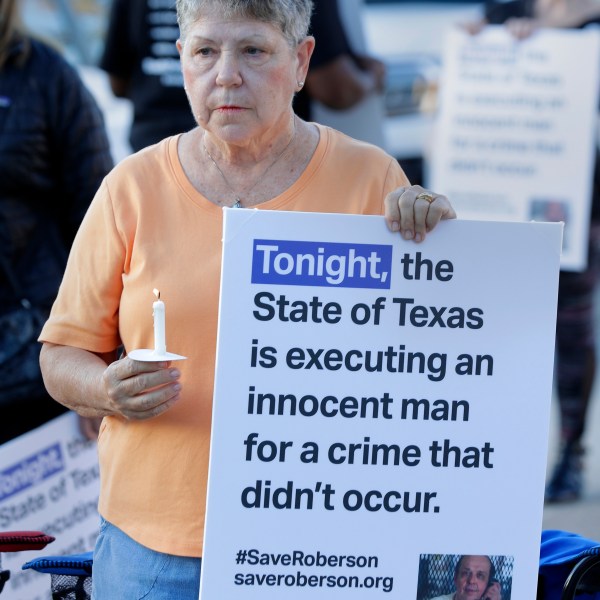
[[93, 386], [341, 83]]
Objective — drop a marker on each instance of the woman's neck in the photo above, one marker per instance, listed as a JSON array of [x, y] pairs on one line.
[[243, 182], [252, 152]]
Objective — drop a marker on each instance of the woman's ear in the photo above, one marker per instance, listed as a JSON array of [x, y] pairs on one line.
[[304, 51]]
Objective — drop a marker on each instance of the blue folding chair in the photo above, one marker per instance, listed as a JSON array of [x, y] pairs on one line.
[[70, 575], [569, 567]]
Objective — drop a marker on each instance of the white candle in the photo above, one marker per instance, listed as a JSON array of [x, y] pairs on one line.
[[158, 312]]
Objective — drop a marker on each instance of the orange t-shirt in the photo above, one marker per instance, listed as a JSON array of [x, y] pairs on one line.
[[149, 228]]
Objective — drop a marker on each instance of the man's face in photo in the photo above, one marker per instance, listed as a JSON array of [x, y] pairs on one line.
[[472, 578]]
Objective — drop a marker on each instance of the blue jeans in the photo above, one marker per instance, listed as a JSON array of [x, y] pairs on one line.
[[126, 570]]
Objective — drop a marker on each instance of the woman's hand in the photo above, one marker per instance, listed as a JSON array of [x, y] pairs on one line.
[[95, 385], [522, 28], [415, 211], [140, 390], [519, 27], [473, 27]]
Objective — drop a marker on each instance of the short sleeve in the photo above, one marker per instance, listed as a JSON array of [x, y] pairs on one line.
[[85, 313]]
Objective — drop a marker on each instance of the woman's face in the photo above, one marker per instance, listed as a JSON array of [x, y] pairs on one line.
[[240, 77]]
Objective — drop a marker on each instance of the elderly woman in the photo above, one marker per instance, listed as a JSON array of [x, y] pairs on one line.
[[156, 222]]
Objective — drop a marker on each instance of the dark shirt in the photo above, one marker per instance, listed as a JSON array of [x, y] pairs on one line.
[[54, 152], [140, 48], [498, 12]]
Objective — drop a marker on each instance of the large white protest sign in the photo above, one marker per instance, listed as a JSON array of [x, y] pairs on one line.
[[377, 402], [49, 481], [516, 134]]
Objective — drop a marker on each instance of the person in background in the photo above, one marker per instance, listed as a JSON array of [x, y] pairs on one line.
[[338, 77], [156, 223], [345, 86], [575, 328], [54, 152], [141, 60]]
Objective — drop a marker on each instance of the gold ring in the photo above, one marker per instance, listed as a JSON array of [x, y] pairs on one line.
[[427, 196]]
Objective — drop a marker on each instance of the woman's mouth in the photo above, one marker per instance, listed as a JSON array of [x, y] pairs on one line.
[[229, 108]]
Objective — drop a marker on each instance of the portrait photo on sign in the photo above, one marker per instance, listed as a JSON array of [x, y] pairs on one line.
[[464, 577], [553, 210]]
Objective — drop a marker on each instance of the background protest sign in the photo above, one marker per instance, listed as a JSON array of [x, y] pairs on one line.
[[377, 400], [516, 132], [49, 481]]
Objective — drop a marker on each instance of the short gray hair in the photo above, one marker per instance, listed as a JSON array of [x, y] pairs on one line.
[[291, 17]]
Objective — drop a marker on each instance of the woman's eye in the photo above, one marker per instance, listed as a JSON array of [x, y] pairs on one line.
[[253, 51], [204, 51]]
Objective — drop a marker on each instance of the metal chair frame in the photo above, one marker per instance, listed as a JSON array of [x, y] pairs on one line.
[[579, 580]]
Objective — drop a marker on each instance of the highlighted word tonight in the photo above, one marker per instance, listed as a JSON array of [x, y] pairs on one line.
[[325, 264]]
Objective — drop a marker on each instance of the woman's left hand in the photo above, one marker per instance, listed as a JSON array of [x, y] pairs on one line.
[[415, 211]]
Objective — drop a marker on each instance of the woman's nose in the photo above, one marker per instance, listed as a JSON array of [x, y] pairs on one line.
[[228, 71]]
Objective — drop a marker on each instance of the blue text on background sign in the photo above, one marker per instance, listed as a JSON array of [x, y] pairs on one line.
[[30, 471]]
